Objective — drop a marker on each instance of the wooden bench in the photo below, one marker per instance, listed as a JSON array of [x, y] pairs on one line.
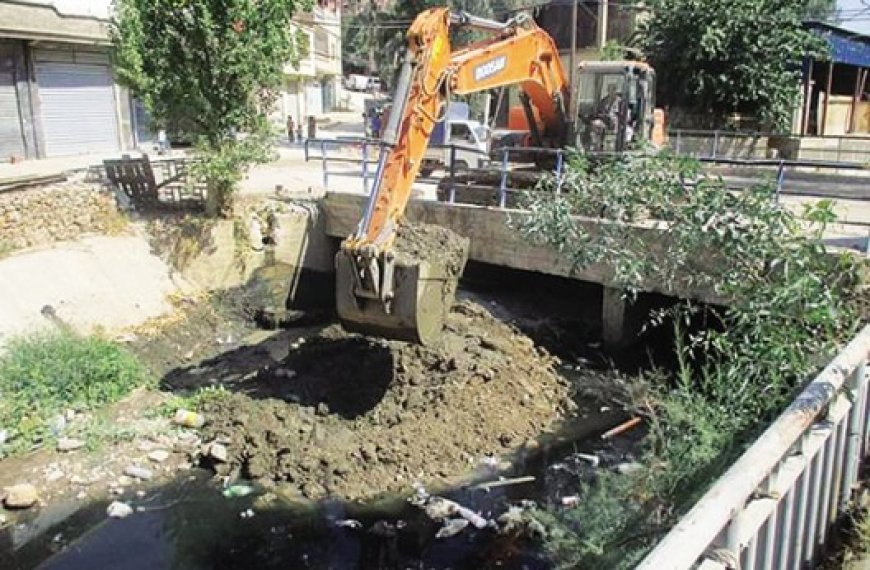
[[171, 189]]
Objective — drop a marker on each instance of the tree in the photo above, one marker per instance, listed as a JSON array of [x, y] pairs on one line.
[[730, 55], [210, 69]]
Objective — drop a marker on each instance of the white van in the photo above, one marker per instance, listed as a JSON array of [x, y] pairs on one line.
[[471, 139]]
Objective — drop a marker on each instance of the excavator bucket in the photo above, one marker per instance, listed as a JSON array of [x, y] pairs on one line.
[[420, 294]]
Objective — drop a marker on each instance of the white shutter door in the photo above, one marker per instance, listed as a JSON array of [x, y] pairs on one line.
[[11, 141], [77, 105]]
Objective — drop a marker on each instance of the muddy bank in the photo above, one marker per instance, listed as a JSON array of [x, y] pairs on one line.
[[353, 417]]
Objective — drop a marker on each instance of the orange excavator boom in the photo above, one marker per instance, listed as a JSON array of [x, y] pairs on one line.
[[517, 52]]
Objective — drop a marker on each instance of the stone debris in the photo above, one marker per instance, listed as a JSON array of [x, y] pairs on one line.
[[119, 510], [216, 451], [65, 444], [158, 455], [21, 496], [138, 472], [31, 217]]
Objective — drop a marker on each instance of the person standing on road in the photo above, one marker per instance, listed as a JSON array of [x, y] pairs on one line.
[[376, 125], [291, 129]]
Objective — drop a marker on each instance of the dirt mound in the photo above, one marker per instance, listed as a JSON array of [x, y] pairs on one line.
[[354, 417], [426, 241]]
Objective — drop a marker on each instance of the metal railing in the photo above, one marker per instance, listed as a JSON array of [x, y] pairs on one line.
[[776, 506], [505, 168], [360, 151]]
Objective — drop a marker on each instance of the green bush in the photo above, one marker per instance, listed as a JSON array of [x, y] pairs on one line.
[[790, 305], [43, 375]]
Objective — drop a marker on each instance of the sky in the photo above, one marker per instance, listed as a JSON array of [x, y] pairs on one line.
[[855, 15]]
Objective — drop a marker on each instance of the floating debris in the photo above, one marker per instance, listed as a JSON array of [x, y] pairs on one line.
[[451, 528], [119, 510]]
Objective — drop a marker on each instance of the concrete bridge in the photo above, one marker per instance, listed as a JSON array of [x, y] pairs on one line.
[[494, 240]]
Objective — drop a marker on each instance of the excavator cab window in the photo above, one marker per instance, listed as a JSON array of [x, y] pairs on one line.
[[613, 106]]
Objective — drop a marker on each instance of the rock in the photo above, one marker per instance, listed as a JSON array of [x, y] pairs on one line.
[[65, 444], [322, 409], [158, 455], [216, 451], [119, 510], [4, 435], [138, 472], [124, 481], [22, 496]]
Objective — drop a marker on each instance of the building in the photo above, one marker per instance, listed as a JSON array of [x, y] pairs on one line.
[[836, 91], [311, 86], [354, 7], [57, 93]]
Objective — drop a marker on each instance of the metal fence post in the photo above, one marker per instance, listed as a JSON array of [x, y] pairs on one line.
[[715, 143], [780, 178], [323, 161], [856, 387], [365, 167], [502, 188], [559, 158], [452, 196]]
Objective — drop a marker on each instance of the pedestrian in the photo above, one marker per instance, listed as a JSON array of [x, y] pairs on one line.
[[291, 129], [299, 132], [162, 142], [376, 125]]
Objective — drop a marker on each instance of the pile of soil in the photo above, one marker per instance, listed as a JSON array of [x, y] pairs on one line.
[[354, 417], [425, 241]]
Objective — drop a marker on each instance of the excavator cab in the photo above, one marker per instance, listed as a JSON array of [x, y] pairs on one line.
[[614, 102]]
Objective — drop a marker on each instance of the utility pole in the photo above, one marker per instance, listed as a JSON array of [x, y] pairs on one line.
[[572, 64], [602, 23]]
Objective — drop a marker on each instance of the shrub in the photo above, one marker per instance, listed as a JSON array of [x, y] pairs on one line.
[[43, 375]]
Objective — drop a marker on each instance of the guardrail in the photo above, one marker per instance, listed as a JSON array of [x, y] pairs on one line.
[[368, 153], [347, 151], [776, 506]]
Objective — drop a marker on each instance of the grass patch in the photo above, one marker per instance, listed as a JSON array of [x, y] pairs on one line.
[[193, 401], [43, 375]]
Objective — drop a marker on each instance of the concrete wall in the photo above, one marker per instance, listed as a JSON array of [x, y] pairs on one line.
[[226, 260], [43, 21]]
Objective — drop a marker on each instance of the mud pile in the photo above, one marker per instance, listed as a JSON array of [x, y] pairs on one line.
[[354, 417], [424, 241]]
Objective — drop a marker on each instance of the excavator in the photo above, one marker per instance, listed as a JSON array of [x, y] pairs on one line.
[[383, 294]]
